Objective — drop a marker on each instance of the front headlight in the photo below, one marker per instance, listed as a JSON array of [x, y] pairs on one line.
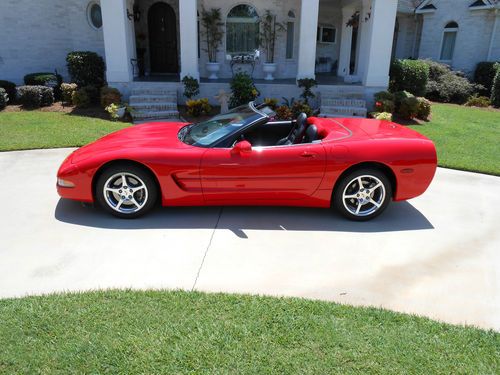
[[65, 183]]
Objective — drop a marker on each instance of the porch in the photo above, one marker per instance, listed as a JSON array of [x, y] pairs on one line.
[[338, 42]]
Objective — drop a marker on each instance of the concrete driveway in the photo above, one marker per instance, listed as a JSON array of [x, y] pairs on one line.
[[437, 255]]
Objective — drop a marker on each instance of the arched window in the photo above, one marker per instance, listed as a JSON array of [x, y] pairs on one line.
[[242, 30], [290, 34], [449, 40]]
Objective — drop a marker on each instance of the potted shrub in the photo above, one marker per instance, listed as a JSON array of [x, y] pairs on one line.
[[211, 21], [269, 31]]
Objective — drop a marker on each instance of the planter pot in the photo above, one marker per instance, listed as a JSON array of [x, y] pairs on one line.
[[213, 69], [269, 69], [121, 112]]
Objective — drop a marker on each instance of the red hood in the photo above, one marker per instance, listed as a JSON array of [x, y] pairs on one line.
[[151, 135]]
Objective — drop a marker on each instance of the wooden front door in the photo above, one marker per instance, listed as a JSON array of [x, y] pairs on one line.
[[163, 39]]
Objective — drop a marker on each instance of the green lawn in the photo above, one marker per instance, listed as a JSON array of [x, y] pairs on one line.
[[124, 332], [36, 129], [466, 138]]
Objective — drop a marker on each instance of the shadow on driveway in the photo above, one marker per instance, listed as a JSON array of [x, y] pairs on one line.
[[401, 216]]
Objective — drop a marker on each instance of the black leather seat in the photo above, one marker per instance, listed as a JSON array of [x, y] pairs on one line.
[[311, 134], [297, 132]]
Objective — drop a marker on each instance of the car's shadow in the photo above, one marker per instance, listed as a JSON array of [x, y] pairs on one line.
[[401, 216]]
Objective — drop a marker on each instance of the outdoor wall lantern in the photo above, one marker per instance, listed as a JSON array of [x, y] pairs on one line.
[[136, 16]]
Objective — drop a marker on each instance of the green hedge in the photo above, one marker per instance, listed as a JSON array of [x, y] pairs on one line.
[[35, 96], [495, 90], [484, 75], [409, 75], [3, 98], [10, 89], [86, 68], [45, 79]]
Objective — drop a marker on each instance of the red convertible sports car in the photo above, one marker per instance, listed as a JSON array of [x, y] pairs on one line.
[[244, 157]]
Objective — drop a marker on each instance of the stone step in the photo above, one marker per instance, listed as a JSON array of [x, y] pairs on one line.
[[343, 102], [154, 115], [136, 99], [154, 106], [154, 91], [344, 110]]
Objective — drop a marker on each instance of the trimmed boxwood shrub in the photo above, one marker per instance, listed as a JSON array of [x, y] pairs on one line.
[[495, 91], [67, 90], [3, 98], [80, 98], [10, 89], [424, 109], [86, 68], [409, 75], [243, 90], [45, 79], [110, 95], [35, 96], [484, 75]]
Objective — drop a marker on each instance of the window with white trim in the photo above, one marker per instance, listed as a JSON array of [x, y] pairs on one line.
[[449, 40], [290, 34], [242, 30]]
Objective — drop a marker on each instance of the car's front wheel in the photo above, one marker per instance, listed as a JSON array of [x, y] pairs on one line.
[[126, 191], [362, 194]]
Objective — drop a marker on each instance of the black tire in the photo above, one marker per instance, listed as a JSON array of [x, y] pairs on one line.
[[370, 178], [143, 200]]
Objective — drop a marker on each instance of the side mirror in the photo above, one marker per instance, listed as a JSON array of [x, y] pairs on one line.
[[242, 147]]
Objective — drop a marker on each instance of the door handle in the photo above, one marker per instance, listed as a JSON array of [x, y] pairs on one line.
[[307, 154]]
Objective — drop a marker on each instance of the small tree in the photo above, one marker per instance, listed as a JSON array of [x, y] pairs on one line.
[[269, 31], [307, 84], [191, 87], [211, 21]]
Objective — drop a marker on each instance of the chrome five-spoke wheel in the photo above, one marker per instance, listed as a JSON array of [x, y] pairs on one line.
[[126, 191], [363, 194]]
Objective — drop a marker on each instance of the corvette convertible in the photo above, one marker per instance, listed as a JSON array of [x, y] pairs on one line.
[[246, 157]]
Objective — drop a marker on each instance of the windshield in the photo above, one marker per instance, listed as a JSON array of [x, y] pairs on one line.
[[208, 132]]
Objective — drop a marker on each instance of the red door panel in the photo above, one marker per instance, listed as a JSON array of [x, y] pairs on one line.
[[267, 173]]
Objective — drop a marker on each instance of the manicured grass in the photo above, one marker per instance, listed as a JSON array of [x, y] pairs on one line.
[[125, 332], [36, 129], [466, 138]]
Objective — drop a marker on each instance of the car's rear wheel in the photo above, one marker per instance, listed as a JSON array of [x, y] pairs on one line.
[[126, 191], [362, 194]]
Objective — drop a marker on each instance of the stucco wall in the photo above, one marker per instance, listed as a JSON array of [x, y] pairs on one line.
[[405, 43], [473, 39], [37, 35]]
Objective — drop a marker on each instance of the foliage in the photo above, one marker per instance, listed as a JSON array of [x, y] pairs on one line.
[[301, 107], [35, 96], [80, 98], [478, 101], [114, 110], [110, 95], [384, 95], [86, 68], [159, 332], [400, 96], [436, 69], [409, 107], [4, 98], [67, 90], [45, 79], [485, 74], [198, 107], [40, 129], [288, 102], [409, 75], [424, 109], [307, 84], [269, 30], [495, 91], [211, 21], [10, 89], [284, 113], [243, 90], [385, 105], [385, 116], [191, 87], [271, 103], [450, 88]]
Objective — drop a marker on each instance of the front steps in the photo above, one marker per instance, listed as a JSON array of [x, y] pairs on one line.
[[343, 107], [153, 104]]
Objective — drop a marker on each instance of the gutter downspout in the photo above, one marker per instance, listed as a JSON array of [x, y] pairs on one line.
[[493, 33]]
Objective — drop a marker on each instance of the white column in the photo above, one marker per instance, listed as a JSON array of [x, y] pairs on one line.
[[345, 43], [309, 12], [118, 40], [379, 49], [188, 19], [364, 34]]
